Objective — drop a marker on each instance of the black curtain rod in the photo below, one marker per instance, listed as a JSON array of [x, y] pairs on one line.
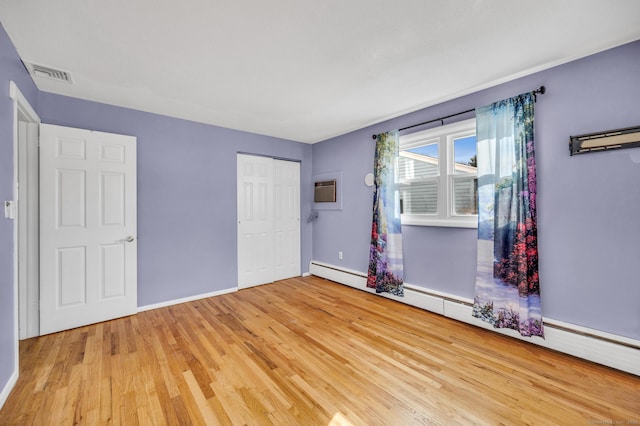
[[541, 91]]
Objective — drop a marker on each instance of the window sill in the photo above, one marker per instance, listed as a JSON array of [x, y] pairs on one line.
[[451, 222]]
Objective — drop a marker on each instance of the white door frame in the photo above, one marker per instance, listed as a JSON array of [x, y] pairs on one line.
[[24, 243]]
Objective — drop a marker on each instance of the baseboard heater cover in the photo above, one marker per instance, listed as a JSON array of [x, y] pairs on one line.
[[614, 351]]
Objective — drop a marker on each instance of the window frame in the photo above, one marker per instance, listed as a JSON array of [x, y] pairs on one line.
[[445, 136]]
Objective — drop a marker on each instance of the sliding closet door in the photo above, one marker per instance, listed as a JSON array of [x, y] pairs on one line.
[[255, 220], [268, 220], [286, 217]]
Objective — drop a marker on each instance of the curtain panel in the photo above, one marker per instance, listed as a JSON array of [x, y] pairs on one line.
[[507, 281], [385, 272]]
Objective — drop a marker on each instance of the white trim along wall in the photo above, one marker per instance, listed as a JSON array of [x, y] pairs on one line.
[[603, 348], [21, 108], [8, 388], [187, 299]]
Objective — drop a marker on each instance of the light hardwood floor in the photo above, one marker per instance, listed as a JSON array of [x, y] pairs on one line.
[[311, 352]]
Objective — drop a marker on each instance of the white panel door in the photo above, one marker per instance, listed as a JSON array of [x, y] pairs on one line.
[[286, 219], [88, 247], [255, 220]]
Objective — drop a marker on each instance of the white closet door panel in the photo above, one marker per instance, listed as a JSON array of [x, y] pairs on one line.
[[287, 219], [268, 220], [255, 220]]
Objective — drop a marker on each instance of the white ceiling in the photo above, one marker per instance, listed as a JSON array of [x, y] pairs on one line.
[[300, 69]]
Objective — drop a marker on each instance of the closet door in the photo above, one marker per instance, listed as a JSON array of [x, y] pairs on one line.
[[255, 220], [286, 219], [268, 220]]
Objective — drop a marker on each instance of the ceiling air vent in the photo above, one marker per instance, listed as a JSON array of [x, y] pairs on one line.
[[48, 72]]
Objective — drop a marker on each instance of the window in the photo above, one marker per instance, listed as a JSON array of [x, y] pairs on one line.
[[437, 176]]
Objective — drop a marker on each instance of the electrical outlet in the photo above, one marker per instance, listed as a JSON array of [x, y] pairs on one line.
[[340, 255]]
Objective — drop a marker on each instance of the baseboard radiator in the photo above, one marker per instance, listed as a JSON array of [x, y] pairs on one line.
[[608, 349]]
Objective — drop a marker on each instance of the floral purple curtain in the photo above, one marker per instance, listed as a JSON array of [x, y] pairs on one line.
[[507, 282], [385, 254]]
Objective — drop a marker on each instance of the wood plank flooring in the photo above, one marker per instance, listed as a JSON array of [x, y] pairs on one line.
[[306, 351]]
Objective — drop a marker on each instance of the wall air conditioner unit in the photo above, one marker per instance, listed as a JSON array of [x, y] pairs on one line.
[[325, 192], [604, 141]]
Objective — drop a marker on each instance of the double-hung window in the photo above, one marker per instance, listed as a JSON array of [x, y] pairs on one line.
[[437, 176]]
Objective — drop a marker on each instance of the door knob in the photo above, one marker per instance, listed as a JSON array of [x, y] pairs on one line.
[[129, 239]]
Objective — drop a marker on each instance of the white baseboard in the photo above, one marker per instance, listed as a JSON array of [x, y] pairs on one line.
[[608, 349], [8, 387], [186, 299]]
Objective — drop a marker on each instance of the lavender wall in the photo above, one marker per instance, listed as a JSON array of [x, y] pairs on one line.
[[588, 205], [186, 193], [11, 69]]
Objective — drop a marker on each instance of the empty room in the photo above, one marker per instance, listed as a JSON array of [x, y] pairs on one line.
[[320, 213]]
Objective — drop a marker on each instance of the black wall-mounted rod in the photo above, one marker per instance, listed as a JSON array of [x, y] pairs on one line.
[[542, 90]]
